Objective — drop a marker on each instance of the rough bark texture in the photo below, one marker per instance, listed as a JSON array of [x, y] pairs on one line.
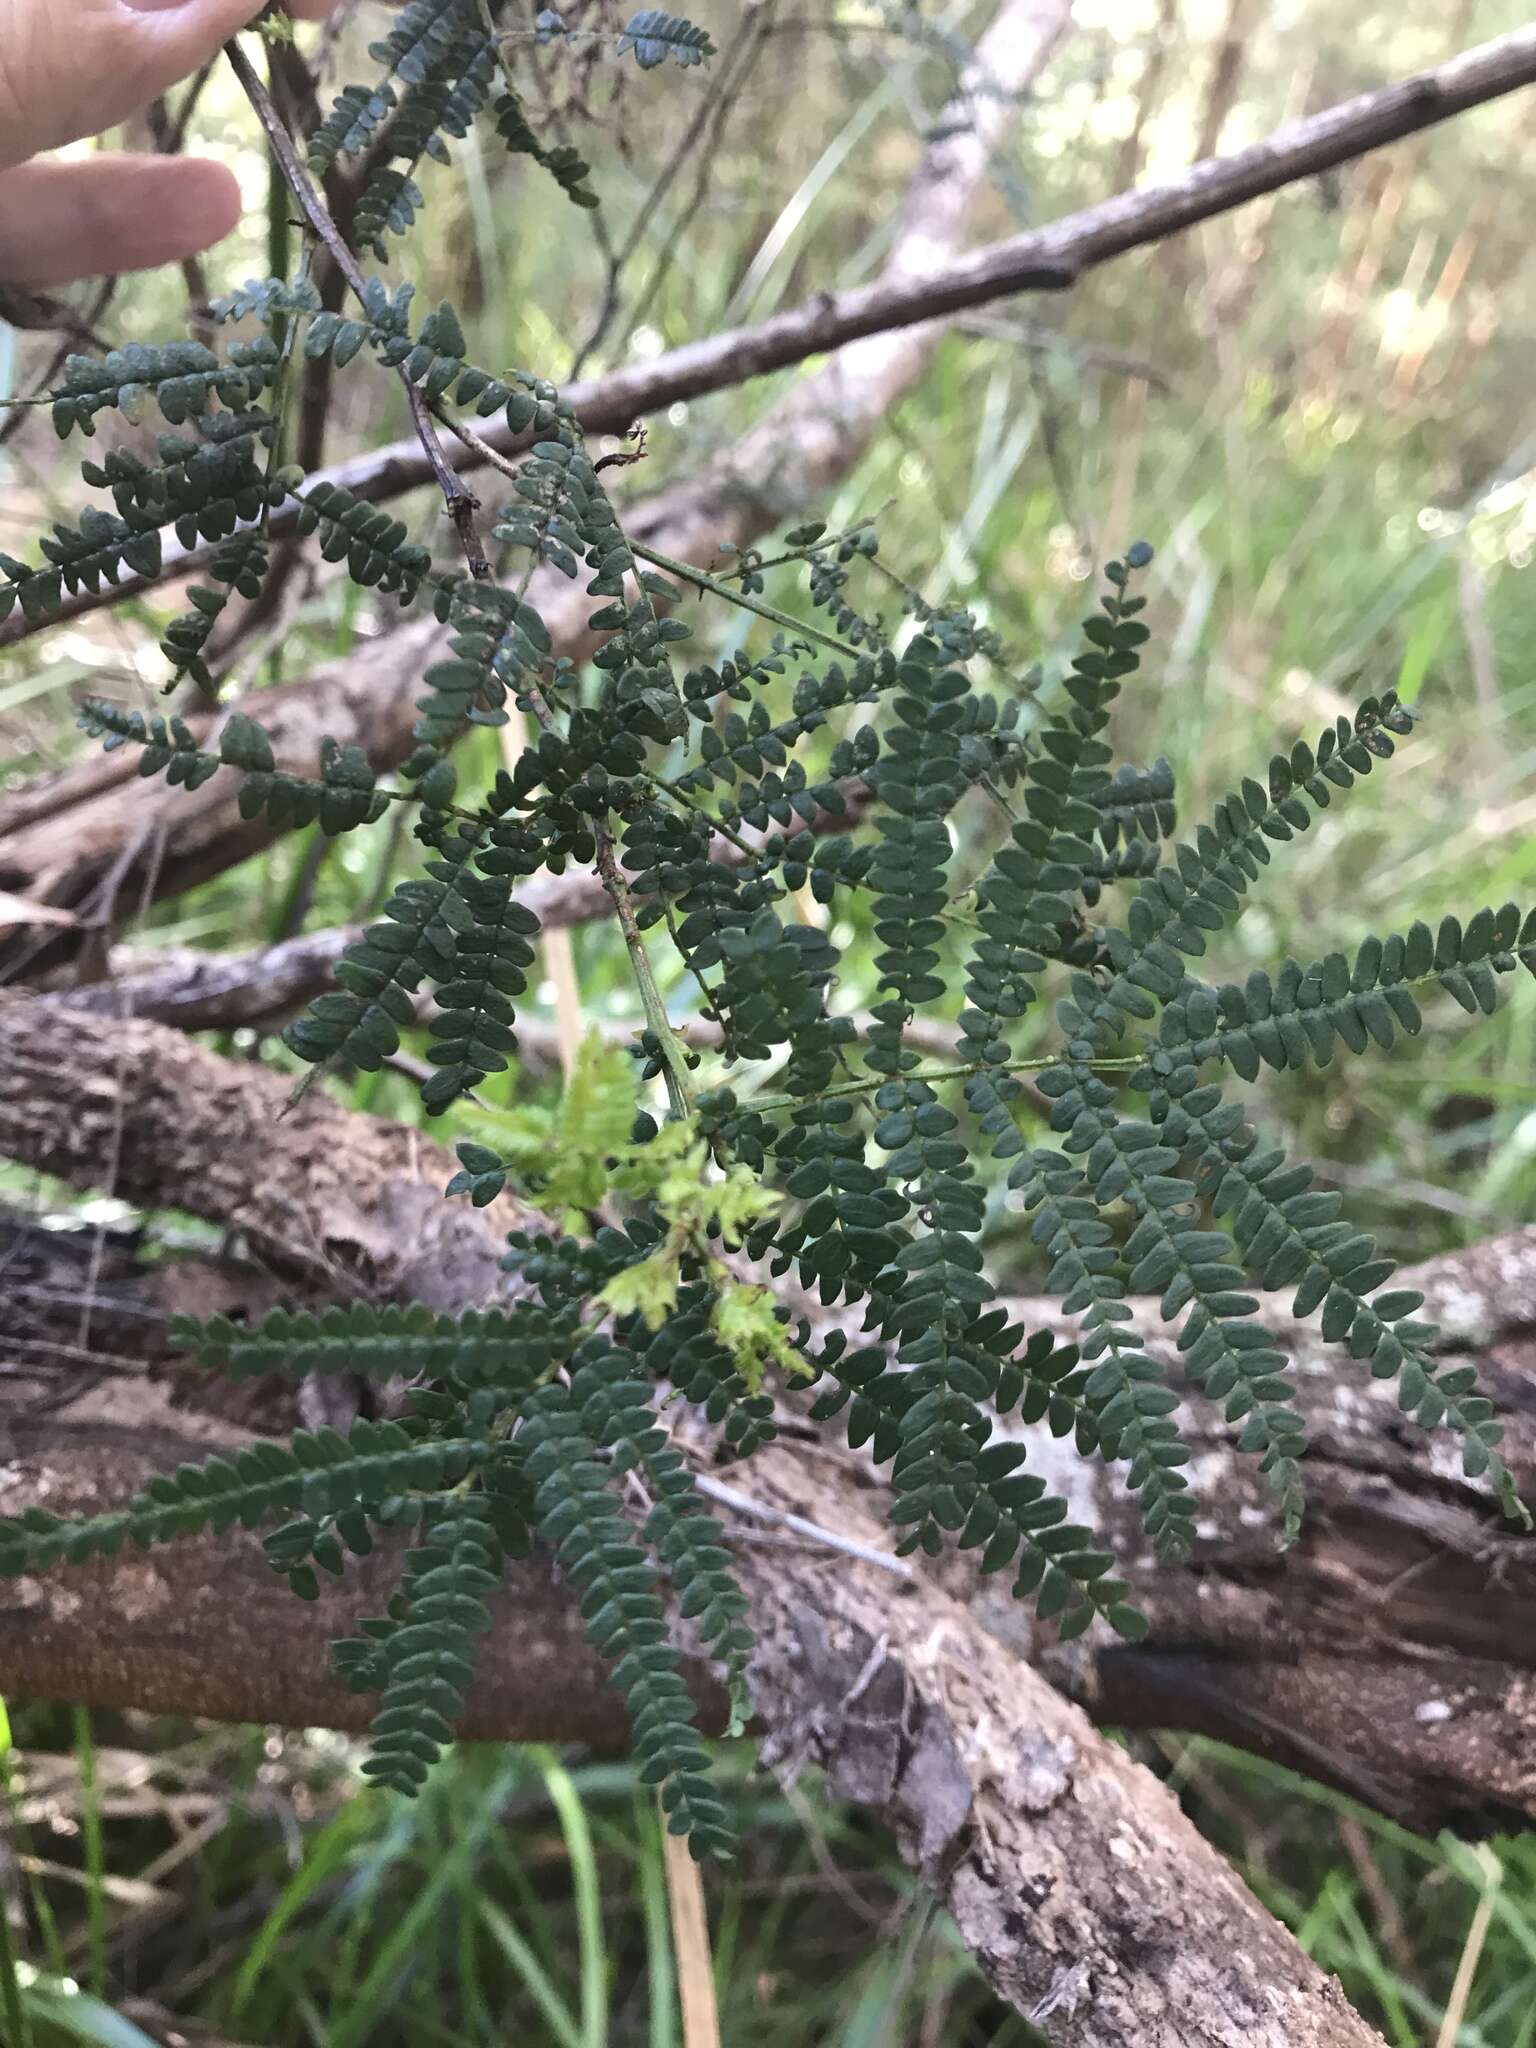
[[1089, 1900], [1390, 1650], [1087, 1897], [1074, 1878], [1386, 1650], [345, 1202]]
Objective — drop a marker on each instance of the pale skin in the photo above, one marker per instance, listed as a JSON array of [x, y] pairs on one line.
[[74, 68]]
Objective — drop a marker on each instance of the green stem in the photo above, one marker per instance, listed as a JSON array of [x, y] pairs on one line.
[[868, 1087], [674, 1066], [753, 564], [681, 796], [702, 580], [279, 223], [285, 383]]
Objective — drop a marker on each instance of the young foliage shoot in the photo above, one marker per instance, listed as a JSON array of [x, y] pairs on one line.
[[700, 1221]]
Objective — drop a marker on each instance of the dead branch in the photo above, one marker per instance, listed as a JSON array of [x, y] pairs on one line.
[[1042, 259], [89, 839], [1089, 1900], [1087, 1897], [261, 989], [1389, 1651]]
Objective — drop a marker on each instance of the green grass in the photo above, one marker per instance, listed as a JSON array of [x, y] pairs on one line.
[[524, 1898]]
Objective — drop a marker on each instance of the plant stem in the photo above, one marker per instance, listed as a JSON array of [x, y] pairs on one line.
[[674, 1066], [702, 580], [460, 500], [868, 1087], [685, 572], [754, 564], [690, 1939], [279, 226]]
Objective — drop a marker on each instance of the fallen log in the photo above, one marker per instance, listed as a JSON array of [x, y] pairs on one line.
[[1391, 1651], [1088, 1898], [1388, 1650]]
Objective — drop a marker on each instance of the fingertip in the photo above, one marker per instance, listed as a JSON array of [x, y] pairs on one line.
[[208, 204], [62, 221]]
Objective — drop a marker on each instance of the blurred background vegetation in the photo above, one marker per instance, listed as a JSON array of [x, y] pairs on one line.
[[1319, 411]]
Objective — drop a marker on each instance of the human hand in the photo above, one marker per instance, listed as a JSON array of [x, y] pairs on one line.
[[70, 68]]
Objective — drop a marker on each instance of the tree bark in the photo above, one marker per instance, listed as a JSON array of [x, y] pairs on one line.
[[1089, 1900], [1389, 1650], [1384, 1651]]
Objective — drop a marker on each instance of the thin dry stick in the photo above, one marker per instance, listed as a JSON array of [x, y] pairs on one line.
[[1042, 259], [461, 502], [1472, 1948], [781, 1518], [114, 1150], [690, 1941]]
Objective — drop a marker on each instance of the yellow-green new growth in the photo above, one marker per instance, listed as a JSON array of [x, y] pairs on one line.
[[700, 1208], [564, 1158]]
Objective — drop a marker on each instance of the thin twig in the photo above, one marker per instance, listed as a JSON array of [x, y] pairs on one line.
[[690, 1940], [701, 580], [674, 1066], [740, 59], [114, 1150], [461, 502], [1051, 258], [781, 1518]]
